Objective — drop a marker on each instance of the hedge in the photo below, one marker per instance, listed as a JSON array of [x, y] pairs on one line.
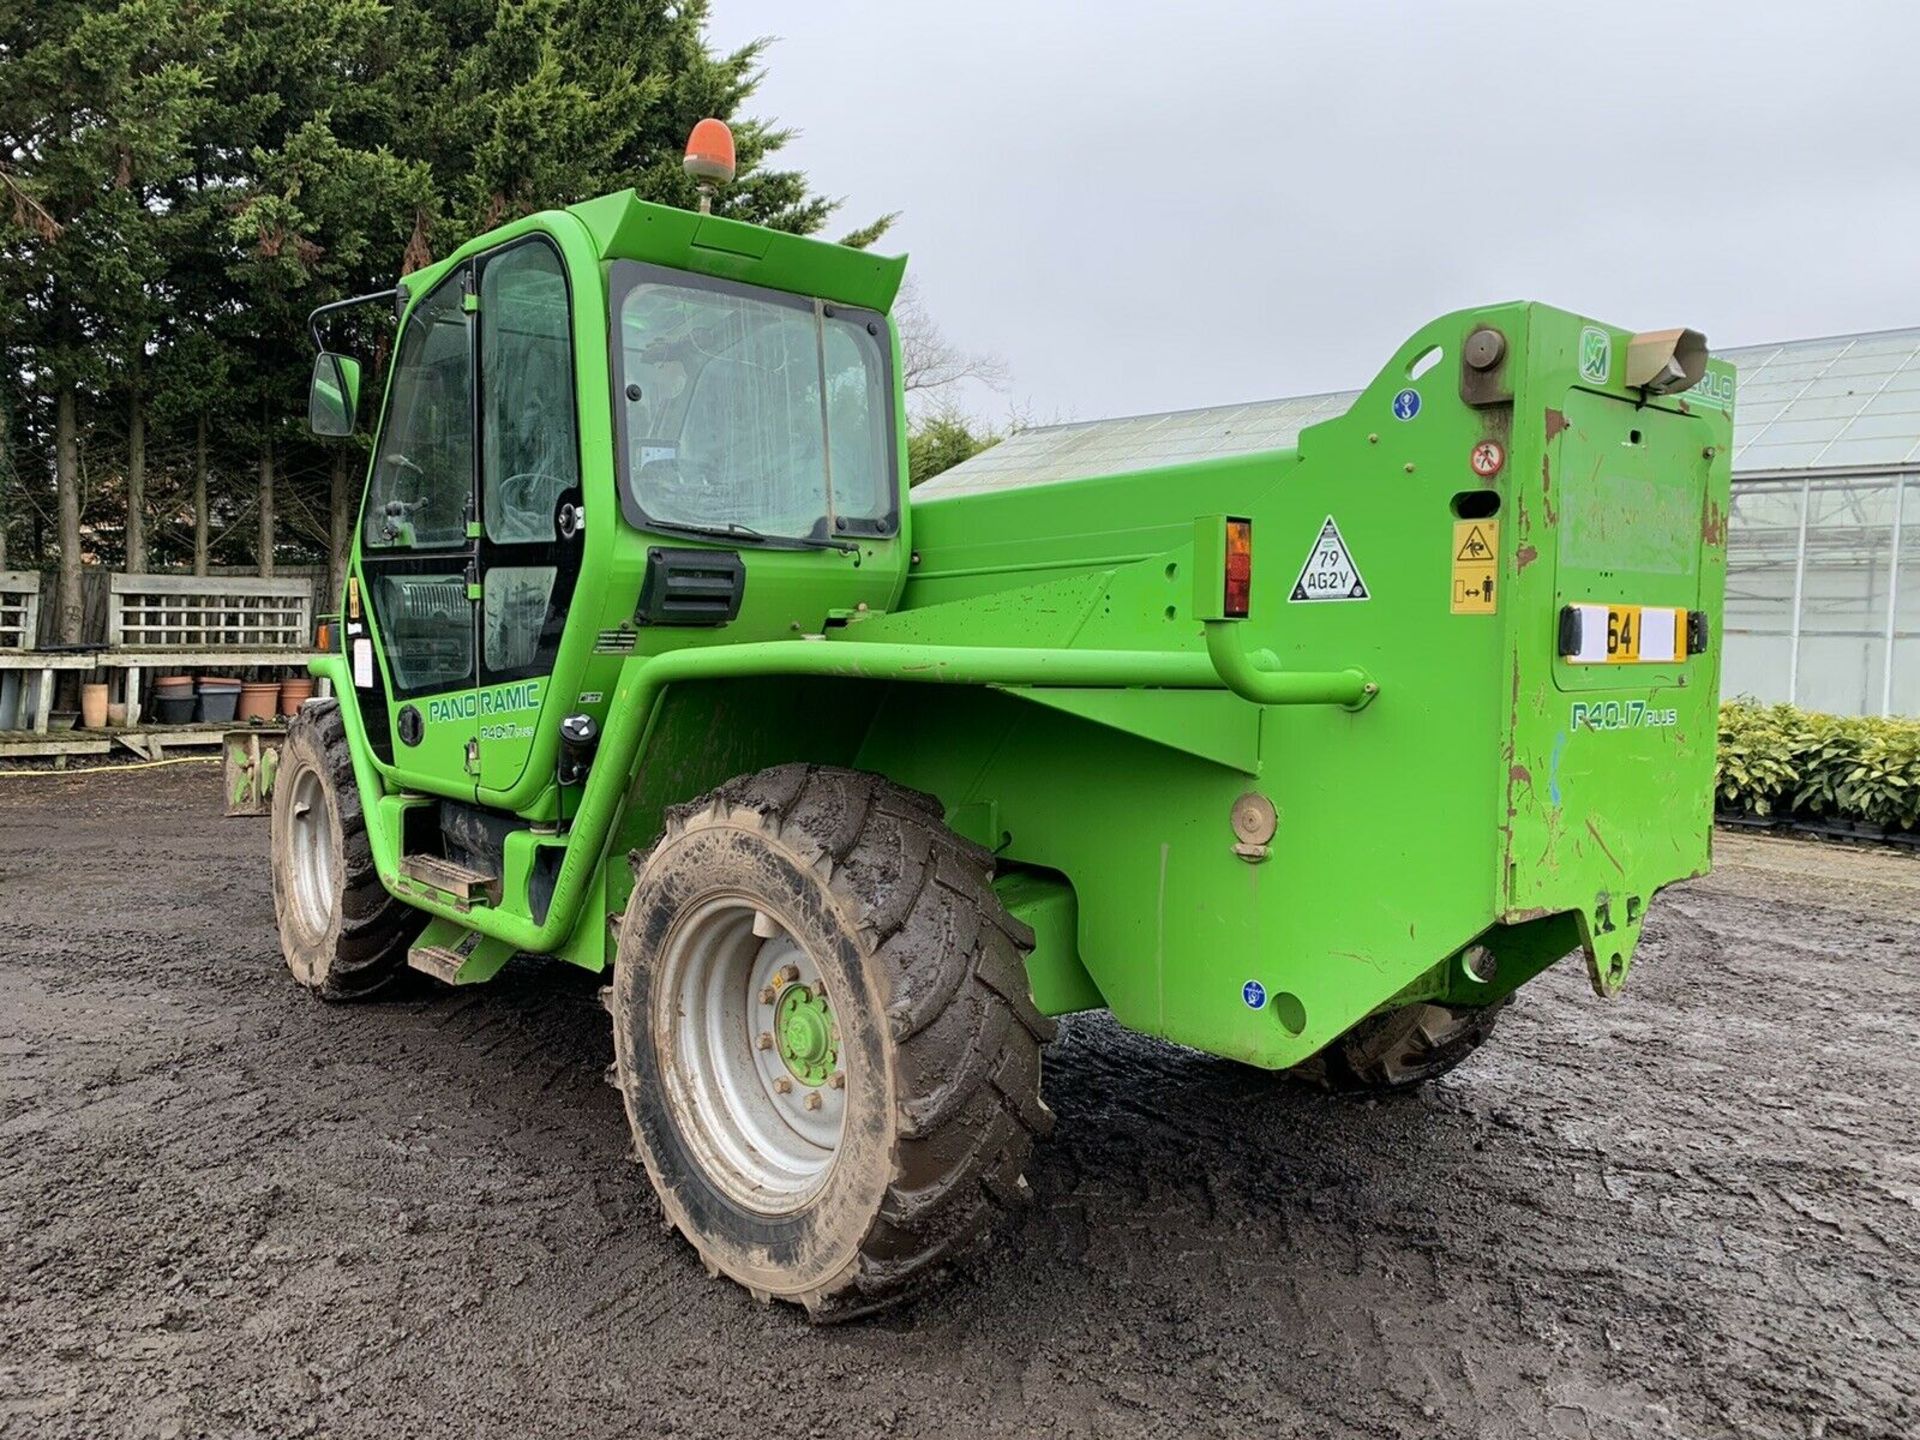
[[1783, 763]]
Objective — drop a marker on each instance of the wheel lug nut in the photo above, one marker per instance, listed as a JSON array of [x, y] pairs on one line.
[[782, 1085], [786, 975], [766, 995], [813, 1100], [838, 1080], [765, 1042]]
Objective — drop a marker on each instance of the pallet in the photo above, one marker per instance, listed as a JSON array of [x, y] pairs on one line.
[[35, 744], [148, 742]]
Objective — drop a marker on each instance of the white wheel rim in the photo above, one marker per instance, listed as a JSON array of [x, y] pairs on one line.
[[762, 1132], [311, 842]]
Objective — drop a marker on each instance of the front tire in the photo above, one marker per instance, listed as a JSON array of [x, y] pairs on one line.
[[824, 1038], [343, 935]]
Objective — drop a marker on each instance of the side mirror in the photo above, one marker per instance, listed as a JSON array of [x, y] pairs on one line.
[[333, 399]]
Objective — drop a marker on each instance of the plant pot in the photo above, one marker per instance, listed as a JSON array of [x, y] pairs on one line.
[[93, 706], [62, 719], [116, 713], [174, 709], [294, 693], [258, 700], [217, 702]]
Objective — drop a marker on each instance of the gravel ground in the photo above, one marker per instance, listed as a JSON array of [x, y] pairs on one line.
[[228, 1210]]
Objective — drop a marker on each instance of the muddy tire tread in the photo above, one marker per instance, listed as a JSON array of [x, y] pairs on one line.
[[1402, 1050], [966, 1038], [375, 928]]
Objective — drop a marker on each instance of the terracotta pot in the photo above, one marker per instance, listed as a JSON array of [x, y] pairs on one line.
[[116, 714], [93, 706], [294, 693], [257, 700]]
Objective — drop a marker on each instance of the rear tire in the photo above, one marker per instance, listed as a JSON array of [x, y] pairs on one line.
[[824, 1037], [1401, 1049], [343, 935]]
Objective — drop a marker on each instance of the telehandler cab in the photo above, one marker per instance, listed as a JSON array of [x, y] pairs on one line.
[[649, 661]]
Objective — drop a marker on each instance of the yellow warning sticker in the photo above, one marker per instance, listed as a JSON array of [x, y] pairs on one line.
[[1476, 565]]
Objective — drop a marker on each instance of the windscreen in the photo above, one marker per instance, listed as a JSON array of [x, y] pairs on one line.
[[752, 409]]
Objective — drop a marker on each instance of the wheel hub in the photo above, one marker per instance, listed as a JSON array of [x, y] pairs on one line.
[[752, 1054], [806, 1039]]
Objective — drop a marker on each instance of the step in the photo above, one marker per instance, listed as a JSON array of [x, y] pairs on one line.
[[437, 961], [450, 952], [455, 880]]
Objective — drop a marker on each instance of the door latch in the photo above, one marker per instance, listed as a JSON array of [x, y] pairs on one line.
[[473, 757]]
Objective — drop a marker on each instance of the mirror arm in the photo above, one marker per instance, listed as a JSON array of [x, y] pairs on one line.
[[396, 297]]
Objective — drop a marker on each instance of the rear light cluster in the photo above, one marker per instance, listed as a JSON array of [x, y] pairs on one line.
[[1238, 590]]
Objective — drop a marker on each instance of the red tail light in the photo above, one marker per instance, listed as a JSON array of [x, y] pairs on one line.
[[1239, 572]]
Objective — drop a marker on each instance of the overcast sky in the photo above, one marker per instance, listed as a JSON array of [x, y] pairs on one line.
[[1151, 206]]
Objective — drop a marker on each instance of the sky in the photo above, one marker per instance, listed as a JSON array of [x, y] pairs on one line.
[[1154, 206]]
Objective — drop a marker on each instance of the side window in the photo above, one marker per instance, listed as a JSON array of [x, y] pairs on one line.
[[427, 623], [531, 453], [857, 424], [518, 618], [422, 483]]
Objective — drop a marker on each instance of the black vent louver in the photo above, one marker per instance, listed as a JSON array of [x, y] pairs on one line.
[[691, 587]]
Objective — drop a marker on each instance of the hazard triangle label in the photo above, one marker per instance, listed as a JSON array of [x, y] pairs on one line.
[[1329, 573]]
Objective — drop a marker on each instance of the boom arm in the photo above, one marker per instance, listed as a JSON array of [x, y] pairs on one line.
[[643, 680]]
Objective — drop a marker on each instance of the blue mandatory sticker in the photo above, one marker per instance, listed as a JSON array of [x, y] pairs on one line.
[[1254, 993], [1406, 405]]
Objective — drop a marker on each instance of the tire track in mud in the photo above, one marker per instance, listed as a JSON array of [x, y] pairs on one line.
[[228, 1210]]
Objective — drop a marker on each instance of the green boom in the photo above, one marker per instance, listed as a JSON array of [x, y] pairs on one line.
[[1416, 769]]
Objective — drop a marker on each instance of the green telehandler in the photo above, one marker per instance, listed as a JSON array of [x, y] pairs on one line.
[[648, 661]]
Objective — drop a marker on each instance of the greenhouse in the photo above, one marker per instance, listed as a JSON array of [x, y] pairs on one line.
[[1823, 582], [1823, 585]]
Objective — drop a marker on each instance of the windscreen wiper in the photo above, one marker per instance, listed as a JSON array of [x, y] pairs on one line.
[[733, 529]]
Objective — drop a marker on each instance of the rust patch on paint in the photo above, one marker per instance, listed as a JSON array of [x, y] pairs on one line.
[[1521, 774], [1526, 555], [1556, 422], [1546, 490], [1713, 524]]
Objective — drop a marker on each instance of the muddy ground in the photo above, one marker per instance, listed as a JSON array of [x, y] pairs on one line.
[[226, 1209]]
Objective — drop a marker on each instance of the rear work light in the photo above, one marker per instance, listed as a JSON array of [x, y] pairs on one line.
[[1237, 593]]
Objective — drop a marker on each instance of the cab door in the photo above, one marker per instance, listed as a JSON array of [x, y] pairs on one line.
[[532, 524], [414, 675]]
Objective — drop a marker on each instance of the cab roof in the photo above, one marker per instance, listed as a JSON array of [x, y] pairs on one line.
[[625, 227]]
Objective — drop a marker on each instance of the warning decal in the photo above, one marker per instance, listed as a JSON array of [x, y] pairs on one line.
[[1476, 561], [1329, 573]]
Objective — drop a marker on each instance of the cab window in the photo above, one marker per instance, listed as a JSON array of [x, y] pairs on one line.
[[748, 409], [530, 454], [420, 490]]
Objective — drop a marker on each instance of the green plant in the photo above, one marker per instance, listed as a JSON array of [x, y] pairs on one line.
[[1779, 760]]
